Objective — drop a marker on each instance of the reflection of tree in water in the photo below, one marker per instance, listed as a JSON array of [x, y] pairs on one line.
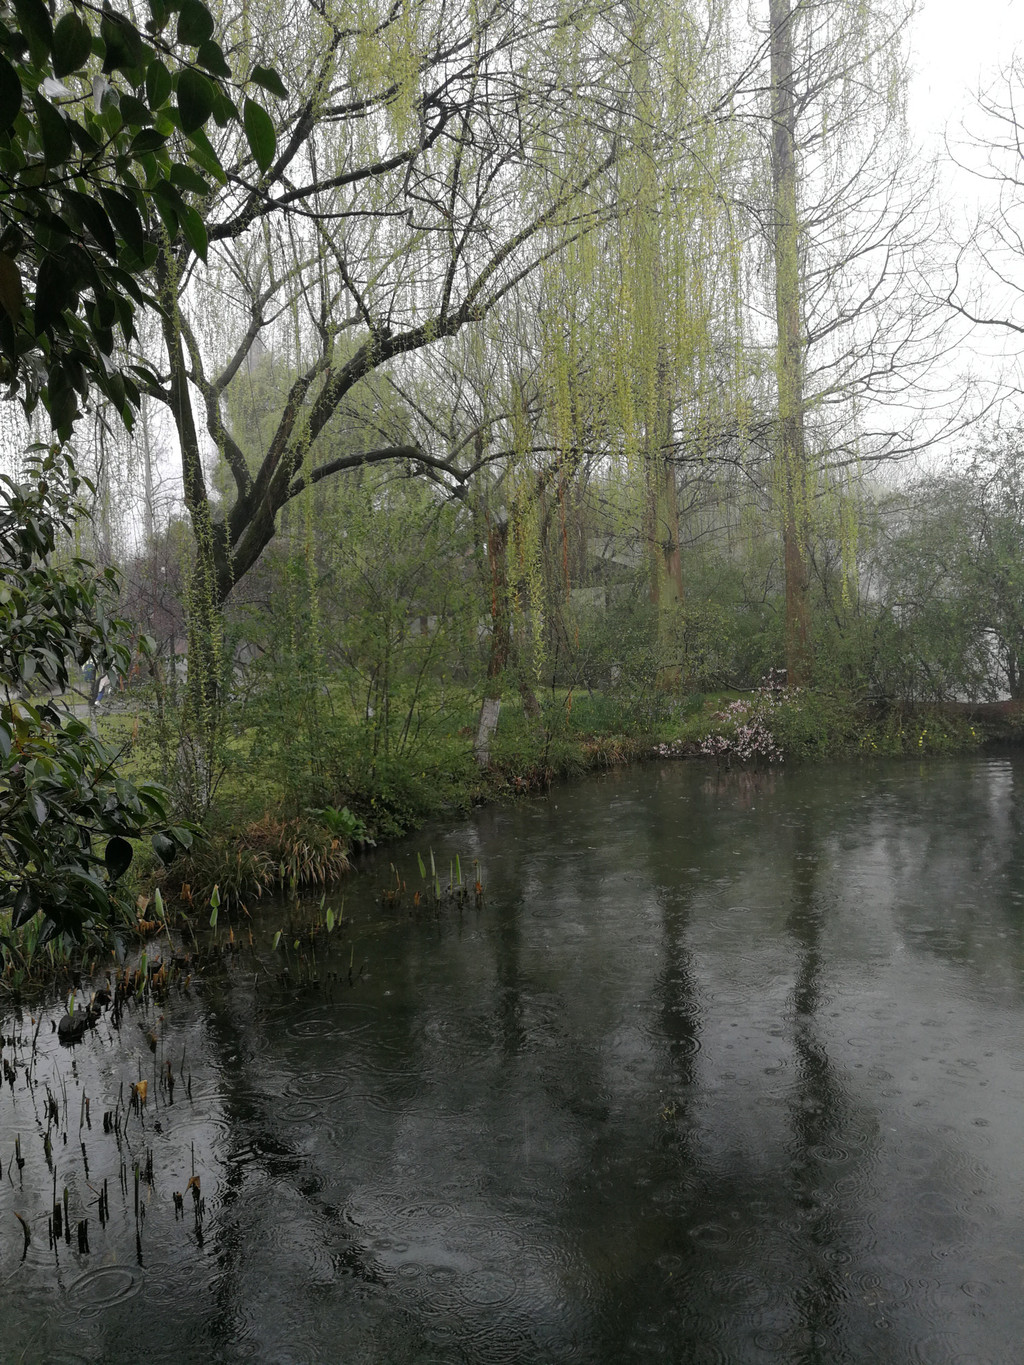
[[748, 1251], [820, 1119], [743, 785]]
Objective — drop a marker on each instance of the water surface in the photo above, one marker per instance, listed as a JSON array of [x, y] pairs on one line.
[[727, 1068]]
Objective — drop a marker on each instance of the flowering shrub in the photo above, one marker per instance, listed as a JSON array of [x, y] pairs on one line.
[[745, 736]]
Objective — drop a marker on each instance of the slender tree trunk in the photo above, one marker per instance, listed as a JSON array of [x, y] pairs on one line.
[[791, 452], [666, 565], [501, 642]]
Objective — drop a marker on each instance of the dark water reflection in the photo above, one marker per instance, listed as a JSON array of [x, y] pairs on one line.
[[727, 1069]]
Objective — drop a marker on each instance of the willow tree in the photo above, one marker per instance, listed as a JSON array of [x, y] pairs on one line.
[[846, 225], [424, 166]]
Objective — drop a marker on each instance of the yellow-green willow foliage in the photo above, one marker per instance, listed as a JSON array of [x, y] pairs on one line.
[[433, 165]]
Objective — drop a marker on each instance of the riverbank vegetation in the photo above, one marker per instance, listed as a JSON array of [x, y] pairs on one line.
[[471, 400]]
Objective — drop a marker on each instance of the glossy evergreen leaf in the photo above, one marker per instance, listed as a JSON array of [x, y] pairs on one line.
[[117, 857], [148, 140], [266, 77], [168, 204], [203, 153], [122, 42], [159, 84], [10, 93], [51, 294], [12, 293], [259, 133], [195, 99], [187, 178], [212, 58], [194, 229], [93, 219], [72, 44], [134, 112], [164, 848], [49, 930], [195, 23], [24, 907], [35, 23], [54, 133], [125, 218]]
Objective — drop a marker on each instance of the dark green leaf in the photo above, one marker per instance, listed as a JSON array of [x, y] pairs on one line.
[[164, 848], [168, 203], [72, 44], [211, 56], [39, 807], [50, 929], [12, 295], [24, 908], [268, 78], [202, 151], [10, 93], [5, 740], [149, 140], [54, 133], [160, 12], [93, 219], [125, 217], [117, 857], [194, 229], [224, 111], [158, 84], [195, 23], [195, 99], [185, 178], [259, 132], [122, 42], [35, 23], [134, 111], [51, 294], [85, 140]]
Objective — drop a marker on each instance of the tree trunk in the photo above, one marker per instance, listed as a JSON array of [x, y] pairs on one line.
[[501, 643], [791, 455], [666, 566]]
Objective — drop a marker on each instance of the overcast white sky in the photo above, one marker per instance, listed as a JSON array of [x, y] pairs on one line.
[[958, 44]]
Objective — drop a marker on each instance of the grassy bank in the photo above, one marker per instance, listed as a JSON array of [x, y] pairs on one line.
[[291, 804]]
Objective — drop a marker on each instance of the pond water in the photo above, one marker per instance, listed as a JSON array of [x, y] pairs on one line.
[[725, 1068]]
